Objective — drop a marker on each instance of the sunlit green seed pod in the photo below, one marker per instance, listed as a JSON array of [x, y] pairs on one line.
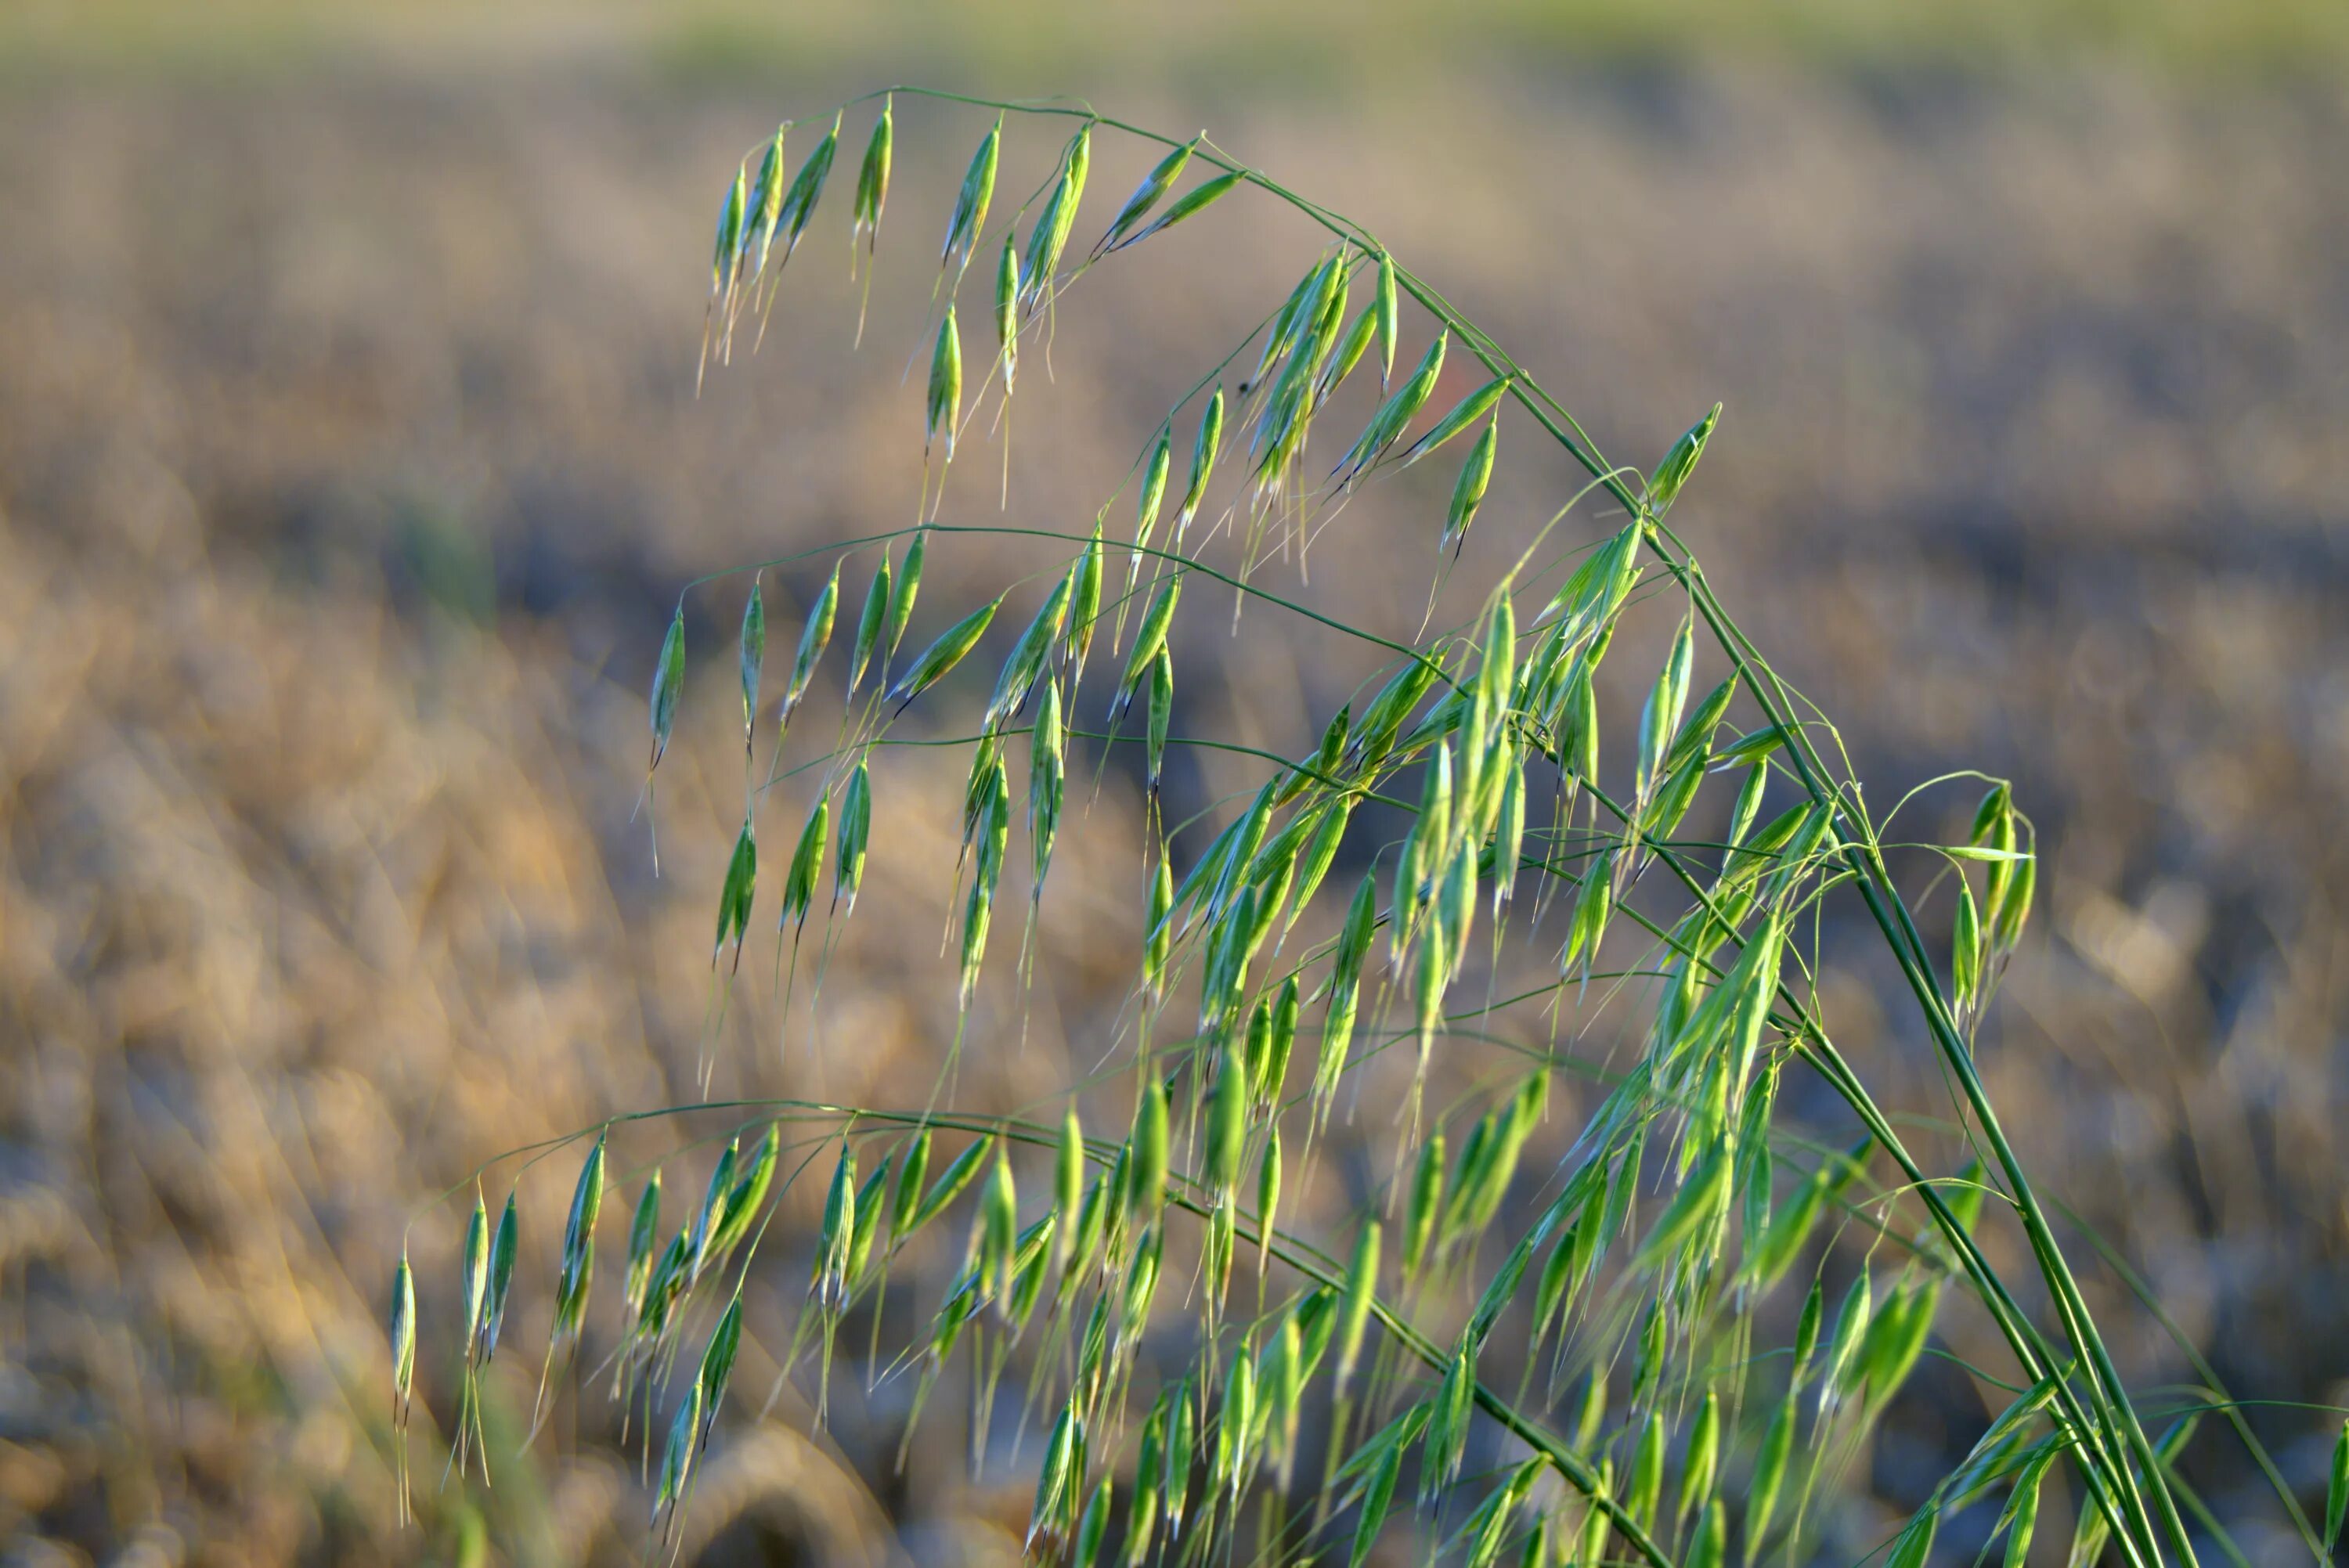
[[1084, 605], [668, 680], [1162, 715], [1388, 319], [1050, 235], [1153, 1145], [751, 653], [1664, 484], [873, 183], [944, 414], [1149, 641], [1204, 448], [1190, 205], [971, 201], [1468, 491], [815, 638], [1462, 414], [807, 865], [1426, 1198], [403, 1339], [475, 1285], [902, 596], [953, 644], [1154, 185]]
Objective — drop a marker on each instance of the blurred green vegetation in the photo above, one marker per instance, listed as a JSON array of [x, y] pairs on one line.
[[1038, 45]]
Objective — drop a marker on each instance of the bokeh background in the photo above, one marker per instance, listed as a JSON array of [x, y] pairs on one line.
[[350, 463]]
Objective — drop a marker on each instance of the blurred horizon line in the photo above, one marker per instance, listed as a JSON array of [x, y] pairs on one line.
[[1046, 46]]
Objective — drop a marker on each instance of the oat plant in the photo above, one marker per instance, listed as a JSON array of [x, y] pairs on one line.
[[1662, 1339]]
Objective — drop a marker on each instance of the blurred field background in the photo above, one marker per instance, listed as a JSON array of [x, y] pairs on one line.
[[349, 463]]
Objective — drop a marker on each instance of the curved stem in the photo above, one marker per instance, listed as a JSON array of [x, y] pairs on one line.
[[2121, 1487]]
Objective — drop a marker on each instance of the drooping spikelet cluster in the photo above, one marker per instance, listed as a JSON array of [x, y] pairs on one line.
[[1280, 958]]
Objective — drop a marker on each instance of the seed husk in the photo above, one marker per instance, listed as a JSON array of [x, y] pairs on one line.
[[1050, 236], [945, 1190], [1464, 413], [873, 183], [1147, 195], [807, 865], [1769, 1474], [971, 201], [1029, 655], [2019, 1517], [752, 655], [1045, 781], [1426, 1199], [1660, 720], [814, 637], [903, 591], [942, 656], [643, 1234], [1084, 605], [1153, 488], [1468, 491], [668, 680], [1190, 205], [1385, 304], [1159, 938], [856, 833], [1149, 641], [734, 897], [403, 1339], [944, 414], [476, 1277], [1664, 484], [1162, 712], [807, 190], [1395, 415], [1204, 448]]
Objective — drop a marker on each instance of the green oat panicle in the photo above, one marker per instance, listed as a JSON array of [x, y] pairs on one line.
[[1690, 1182]]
